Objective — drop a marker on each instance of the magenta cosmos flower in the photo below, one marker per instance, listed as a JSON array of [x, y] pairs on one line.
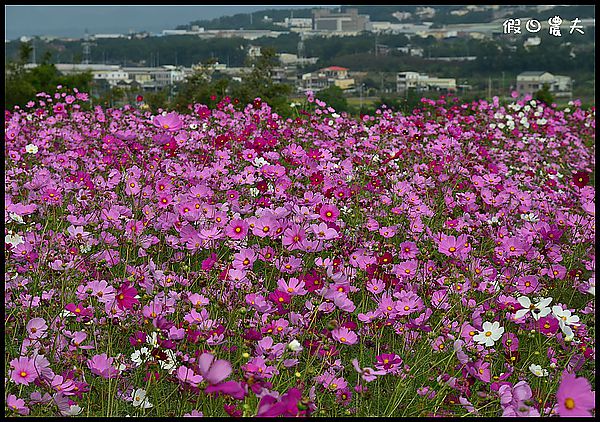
[[170, 122], [575, 396], [329, 213], [126, 296], [286, 405]]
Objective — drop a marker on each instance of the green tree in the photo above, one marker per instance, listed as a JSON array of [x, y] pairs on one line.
[[259, 83], [334, 97], [158, 99], [23, 84], [544, 95], [199, 87]]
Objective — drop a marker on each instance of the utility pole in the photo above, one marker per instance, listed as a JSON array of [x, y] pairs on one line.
[[502, 92], [361, 89], [489, 87], [33, 47]]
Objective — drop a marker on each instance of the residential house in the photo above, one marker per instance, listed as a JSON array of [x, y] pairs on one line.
[[532, 81], [326, 77], [422, 82]]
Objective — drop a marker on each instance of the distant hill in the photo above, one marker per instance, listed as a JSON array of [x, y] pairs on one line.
[[444, 15]]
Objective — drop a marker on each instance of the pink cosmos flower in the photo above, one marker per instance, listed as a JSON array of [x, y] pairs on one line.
[[171, 122], [329, 213], [17, 405], [368, 374], [36, 328], [293, 286], [575, 396], [213, 371], [102, 365], [265, 226], [407, 269], [451, 246], [24, 370], [293, 237], [323, 231], [408, 250], [527, 284], [187, 375], [344, 335], [237, 229]]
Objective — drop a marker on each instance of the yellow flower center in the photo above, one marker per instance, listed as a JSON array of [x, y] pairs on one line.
[[569, 403]]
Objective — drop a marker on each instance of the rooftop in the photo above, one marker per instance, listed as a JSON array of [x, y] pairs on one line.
[[335, 68]]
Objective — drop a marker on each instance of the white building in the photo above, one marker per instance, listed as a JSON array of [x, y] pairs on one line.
[[108, 36], [531, 82], [296, 23], [532, 41], [422, 82]]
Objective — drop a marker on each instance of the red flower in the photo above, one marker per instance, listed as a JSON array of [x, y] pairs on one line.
[[126, 296], [581, 179]]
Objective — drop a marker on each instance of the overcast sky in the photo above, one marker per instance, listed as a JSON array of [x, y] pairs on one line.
[[71, 21]]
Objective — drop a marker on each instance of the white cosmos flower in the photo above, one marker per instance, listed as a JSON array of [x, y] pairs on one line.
[[72, 411], [140, 356], [140, 400], [567, 331], [170, 363], [531, 217], [16, 218], [153, 340], [564, 316], [538, 309], [31, 148], [295, 346], [14, 239], [538, 371], [490, 333], [259, 162]]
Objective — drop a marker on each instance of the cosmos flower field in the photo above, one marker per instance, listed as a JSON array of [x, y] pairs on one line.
[[229, 261]]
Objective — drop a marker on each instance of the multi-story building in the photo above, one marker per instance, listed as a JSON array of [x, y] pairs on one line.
[[422, 82], [157, 77], [326, 77], [349, 21], [530, 82]]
